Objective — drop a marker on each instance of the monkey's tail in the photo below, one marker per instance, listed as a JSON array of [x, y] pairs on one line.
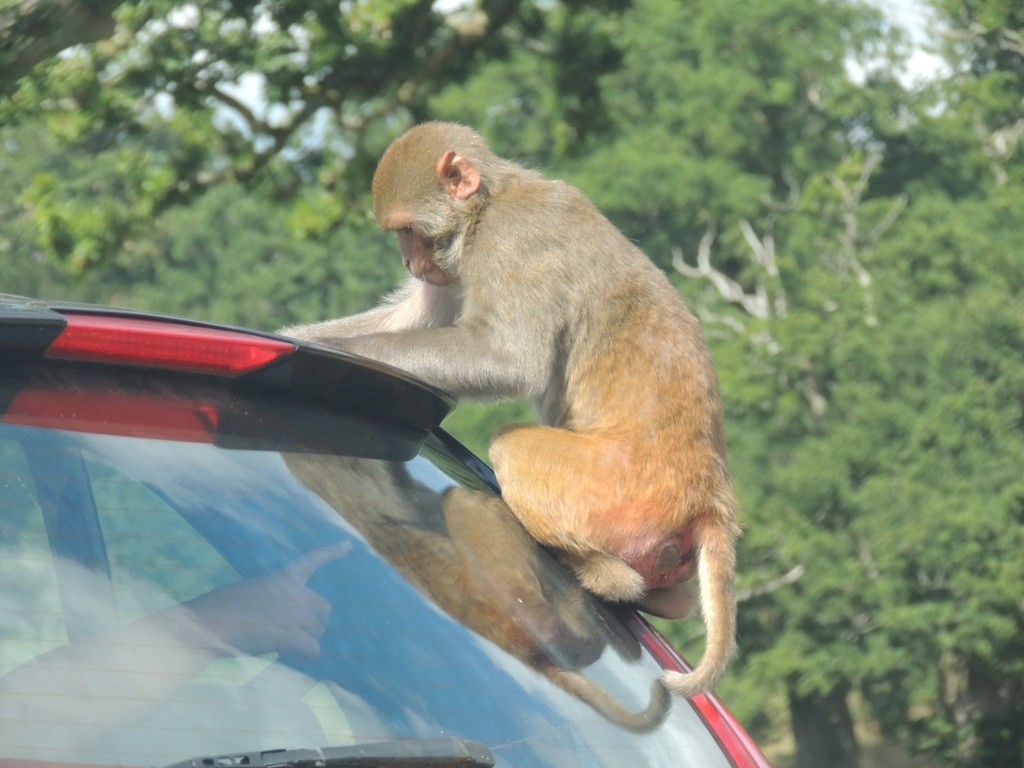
[[716, 560], [610, 708]]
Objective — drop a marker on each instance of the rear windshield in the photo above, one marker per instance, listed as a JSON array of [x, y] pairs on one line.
[[190, 571]]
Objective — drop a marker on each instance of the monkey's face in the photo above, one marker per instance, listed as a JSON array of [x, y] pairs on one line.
[[418, 255]]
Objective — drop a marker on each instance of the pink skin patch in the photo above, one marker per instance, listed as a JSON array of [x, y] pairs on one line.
[[670, 562]]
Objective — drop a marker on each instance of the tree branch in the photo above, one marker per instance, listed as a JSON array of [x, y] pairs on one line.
[[772, 585], [255, 124], [32, 31], [755, 304], [1011, 41], [762, 254]]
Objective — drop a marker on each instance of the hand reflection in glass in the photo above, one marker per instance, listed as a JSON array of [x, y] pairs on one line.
[[116, 677], [275, 612]]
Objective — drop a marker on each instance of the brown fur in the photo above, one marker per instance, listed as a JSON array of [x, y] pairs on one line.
[[526, 290]]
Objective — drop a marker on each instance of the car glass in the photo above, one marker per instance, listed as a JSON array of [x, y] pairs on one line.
[[167, 598]]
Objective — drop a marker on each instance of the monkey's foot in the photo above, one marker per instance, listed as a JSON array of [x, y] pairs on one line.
[[609, 577]]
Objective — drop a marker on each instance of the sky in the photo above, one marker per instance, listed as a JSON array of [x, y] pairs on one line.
[[921, 23]]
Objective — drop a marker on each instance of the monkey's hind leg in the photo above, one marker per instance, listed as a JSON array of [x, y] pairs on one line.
[[565, 488]]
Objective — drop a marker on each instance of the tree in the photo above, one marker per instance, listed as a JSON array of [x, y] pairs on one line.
[[851, 247], [722, 136], [183, 96], [875, 416], [32, 32]]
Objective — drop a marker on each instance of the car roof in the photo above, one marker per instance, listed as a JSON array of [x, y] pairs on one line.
[[29, 327]]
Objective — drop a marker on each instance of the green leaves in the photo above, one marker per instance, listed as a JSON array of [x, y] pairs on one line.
[[861, 284], [182, 97]]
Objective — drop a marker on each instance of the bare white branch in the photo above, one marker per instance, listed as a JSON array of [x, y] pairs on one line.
[[853, 243], [772, 585], [1012, 41], [763, 250], [754, 304], [709, 318]]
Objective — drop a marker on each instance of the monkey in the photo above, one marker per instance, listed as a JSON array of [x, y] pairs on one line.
[[520, 287]]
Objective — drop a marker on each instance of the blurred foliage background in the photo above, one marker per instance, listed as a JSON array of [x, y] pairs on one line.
[[852, 238]]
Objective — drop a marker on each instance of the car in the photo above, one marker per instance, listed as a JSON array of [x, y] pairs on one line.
[[224, 547]]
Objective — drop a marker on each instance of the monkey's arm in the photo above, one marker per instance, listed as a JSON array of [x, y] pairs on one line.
[[469, 343], [413, 305], [462, 361]]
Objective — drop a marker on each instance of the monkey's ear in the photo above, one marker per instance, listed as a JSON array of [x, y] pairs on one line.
[[461, 178]]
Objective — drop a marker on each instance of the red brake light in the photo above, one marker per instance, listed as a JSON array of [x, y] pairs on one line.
[[138, 341], [114, 413]]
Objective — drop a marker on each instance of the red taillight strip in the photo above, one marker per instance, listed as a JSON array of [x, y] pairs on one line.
[[164, 344], [7, 762], [111, 412], [736, 742]]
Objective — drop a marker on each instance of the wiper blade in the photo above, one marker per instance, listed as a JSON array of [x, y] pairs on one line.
[[401, 753]]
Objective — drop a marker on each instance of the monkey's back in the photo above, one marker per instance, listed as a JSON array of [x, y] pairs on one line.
[[637, 371]]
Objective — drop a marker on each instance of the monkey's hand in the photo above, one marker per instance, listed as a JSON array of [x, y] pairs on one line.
[[413, 305], [333, 333]]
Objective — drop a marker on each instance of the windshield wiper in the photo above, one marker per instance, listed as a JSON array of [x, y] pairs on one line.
[[401, 753]]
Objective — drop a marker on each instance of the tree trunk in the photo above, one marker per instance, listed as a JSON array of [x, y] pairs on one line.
[[823, 730], [985, 709]]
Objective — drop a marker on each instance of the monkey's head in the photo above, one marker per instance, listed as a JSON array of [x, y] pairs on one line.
[[428, 184]]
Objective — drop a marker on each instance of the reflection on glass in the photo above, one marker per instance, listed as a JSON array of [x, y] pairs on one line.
[[167, 599]]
